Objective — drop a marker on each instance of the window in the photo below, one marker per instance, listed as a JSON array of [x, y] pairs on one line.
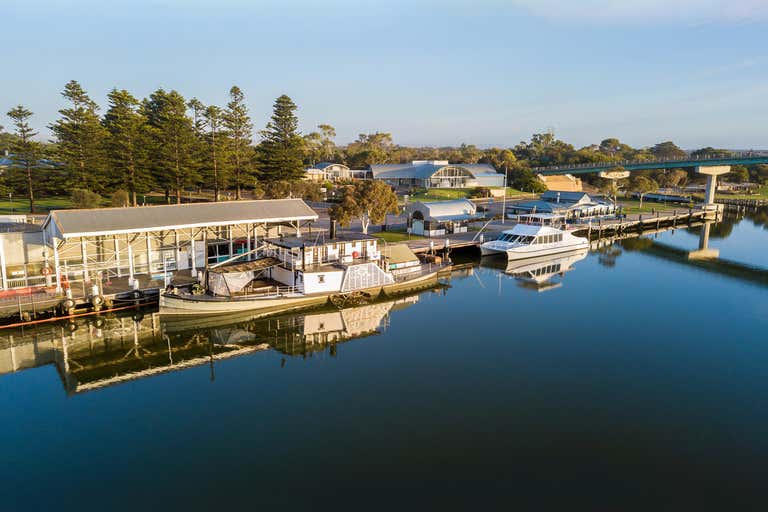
[[321, 278]]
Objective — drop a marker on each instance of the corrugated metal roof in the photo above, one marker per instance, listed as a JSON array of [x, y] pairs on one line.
[[398, 253], [425, 170], [570, 197], [74, 223], [443, 209]]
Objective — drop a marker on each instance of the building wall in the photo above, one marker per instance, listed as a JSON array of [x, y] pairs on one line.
[[331, 281]]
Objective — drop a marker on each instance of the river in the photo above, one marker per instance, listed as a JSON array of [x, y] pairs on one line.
[[631, 377]]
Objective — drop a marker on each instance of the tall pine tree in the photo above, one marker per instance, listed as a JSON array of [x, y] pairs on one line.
[[81, 140], [172, 141], [126, 144], [281, 150], [217, 143], [25, 152], [238, 124]]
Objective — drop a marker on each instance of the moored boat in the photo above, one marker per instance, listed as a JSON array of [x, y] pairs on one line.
[[297, 272], [534, 236]]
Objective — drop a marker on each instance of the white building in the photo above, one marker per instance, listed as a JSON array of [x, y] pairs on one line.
[[437, 174]]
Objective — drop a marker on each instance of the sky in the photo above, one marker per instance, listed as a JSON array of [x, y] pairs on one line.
[[483, 72]]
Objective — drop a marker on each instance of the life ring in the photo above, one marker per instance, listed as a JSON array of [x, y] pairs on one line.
[[97, 300], [46, 271], [355, 254]]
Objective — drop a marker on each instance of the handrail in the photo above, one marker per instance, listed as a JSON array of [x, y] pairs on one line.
[[622, 163]]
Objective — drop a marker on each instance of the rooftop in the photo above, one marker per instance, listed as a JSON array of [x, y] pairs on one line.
[[107, 221], [293, 242]]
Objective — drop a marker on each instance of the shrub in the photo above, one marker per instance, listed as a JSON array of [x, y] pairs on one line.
[[120, 198], [82, 198]]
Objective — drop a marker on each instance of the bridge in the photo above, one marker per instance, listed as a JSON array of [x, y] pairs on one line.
[[734, 158], [711, 166]]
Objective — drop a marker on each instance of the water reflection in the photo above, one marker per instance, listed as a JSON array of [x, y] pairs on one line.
[[97, 352], [541, 273]]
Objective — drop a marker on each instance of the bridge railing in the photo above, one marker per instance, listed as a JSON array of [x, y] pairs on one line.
[[624, 163]]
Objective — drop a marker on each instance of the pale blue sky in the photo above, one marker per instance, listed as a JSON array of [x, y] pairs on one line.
[[433, 72]]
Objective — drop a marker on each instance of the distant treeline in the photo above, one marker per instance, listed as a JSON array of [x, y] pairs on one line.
[[166, 143]]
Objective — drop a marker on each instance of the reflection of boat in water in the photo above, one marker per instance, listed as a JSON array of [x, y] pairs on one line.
[[541, 273], [96, 352]]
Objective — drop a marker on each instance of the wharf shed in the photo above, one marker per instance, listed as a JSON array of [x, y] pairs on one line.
[[159, 241], [441, 217]]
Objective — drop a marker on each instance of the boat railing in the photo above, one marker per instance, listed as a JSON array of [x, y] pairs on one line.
[[416, 271]]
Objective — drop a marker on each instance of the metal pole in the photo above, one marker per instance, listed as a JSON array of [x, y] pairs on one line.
[[504, 200]]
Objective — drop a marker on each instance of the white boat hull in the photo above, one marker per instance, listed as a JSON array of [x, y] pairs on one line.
[[179, 305], [534, 251]]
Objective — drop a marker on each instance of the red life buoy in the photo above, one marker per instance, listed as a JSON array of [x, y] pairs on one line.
[[355, 254], [46, 271]]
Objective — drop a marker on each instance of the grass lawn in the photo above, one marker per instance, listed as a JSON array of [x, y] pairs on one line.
[[43, 205], [395, 236], [633, 206], [447, 194], [762, 193]]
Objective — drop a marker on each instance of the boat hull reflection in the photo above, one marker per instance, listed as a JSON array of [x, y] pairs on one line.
[[541, 273]]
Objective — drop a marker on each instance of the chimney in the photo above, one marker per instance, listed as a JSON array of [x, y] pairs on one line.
[[332, 233]]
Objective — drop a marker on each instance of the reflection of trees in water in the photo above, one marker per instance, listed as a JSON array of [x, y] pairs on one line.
[[720, 229], [636, 244], [607, 255], [758, 216]]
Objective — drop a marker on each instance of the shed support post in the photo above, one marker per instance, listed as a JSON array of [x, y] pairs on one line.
[[56, 264], [205, 248], [117, 255], [231, 243], [2, 264], [248, 228], [84, 252], [193, 267], [131, 279], [149, 255]]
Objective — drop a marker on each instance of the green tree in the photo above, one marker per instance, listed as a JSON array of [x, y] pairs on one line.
[[238, 124], [216, 148], [668, 149], [127, 143], [642, 185], [173, 141], [710, 152], [369, 201], [611, 187], [280, 152], [83, 198], [368, 149], [738, 174], [25, 152], [81, 140]]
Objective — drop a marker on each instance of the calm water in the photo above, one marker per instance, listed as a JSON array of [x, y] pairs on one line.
[[634, 380]]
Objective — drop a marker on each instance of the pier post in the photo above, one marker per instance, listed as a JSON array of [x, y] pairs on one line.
[[712, 172]]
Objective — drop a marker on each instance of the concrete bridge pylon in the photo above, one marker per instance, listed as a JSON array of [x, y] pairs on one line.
[[712, 172]]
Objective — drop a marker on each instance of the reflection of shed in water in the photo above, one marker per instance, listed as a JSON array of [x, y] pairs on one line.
[[97, 352], [312, 333]]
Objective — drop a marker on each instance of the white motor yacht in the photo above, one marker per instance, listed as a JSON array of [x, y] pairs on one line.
[[528, 240]]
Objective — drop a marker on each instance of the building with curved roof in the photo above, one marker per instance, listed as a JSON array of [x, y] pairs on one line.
[[437, 174]]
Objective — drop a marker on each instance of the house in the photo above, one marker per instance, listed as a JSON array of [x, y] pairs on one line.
[[400, 259], [560, 202], [329, 171], [437, 174], [441, 217]]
